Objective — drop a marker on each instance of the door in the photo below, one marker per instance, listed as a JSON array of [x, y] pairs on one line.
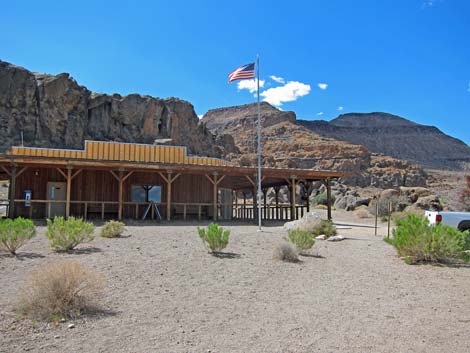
[[56, 191]]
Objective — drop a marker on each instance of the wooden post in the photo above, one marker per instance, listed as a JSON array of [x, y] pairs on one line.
[[120, 177], [265, 203], [328, 198], [215, 197], [121, 182], [244, 205], [69, 187], [12, 192], [276, 191], [169, 180], [292, 199]]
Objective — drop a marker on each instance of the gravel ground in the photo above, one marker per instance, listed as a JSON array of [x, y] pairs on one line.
[[165, 293]]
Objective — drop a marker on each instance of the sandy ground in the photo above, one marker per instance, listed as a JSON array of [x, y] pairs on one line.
[[165, 293]]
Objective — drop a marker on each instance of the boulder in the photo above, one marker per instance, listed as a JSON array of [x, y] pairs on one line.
[[430, 202], [336, 238], [389, 193], [309, 221]]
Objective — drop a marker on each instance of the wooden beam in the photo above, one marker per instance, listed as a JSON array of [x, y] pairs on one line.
[[328, 198], [115, 175], [168, 197], [121, 182], [163, 177], [215, 197], [62, 172], [68, 190], [21, 171], [6, 170], [76, 173], [12, 192], [250, 180], [127, 175], [292, 199]]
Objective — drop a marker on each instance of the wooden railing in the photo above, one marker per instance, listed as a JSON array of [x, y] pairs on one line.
[[132, 209], [283, 212]]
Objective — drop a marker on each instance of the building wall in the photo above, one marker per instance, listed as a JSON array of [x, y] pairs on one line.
[[95, 185]]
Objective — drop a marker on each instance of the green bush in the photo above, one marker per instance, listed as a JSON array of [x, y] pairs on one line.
[[321, 199], [67, 234], [215, 238], [15, 233], [302, 239], [417, 241], [112, 229], [324, 227]]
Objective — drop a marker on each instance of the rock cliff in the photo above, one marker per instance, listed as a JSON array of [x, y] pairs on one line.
[[55, 111]]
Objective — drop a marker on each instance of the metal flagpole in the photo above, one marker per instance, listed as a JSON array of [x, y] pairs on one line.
[[259, 148]]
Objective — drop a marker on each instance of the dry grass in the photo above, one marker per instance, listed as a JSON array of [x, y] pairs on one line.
[[286, 252], [363, 213], [60, 289]]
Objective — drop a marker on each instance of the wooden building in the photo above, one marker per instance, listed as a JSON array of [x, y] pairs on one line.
[[127, 180]]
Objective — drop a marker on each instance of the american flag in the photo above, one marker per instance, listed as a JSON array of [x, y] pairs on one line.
[[242, 73]]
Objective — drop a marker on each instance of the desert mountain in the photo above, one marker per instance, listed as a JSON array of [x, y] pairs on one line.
[[55, 111], [289, 144], [397, 137]]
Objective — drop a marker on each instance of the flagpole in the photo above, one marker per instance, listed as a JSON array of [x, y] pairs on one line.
[[259, 148]]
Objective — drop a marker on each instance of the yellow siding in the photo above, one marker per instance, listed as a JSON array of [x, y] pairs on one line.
[[97, 150]]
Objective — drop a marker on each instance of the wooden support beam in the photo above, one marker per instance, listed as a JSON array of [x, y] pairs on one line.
[[6, 170], [168, 197], [68, 191], [276, 192], [292, 199], [328, 198], [76, 173], [215, 197], [62, 172], [12, 192], [121, 182], [21, 171]]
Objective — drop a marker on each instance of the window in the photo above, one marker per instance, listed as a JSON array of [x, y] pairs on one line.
[[146, 193]]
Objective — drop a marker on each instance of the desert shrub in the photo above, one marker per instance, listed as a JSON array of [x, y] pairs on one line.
[[62, 289], [325, 227], [302, 239], [112, 229], [15, 233], [363, 213], [215, 238], [417, 241], [321, 199], [66, 234], [286, 252], [397, 216]]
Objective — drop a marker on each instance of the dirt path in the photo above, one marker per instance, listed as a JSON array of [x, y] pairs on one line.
[[166, 294]]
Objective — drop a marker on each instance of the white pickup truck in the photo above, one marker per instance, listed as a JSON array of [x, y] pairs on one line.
[[459, 220]]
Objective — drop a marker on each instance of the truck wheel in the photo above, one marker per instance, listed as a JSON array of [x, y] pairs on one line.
[[464, 225]]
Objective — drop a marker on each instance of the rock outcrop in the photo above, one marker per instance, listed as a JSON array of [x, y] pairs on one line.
[[286, 143], [55, 111], [397, 137]]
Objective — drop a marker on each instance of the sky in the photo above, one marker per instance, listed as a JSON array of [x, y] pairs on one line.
[[318, 58]]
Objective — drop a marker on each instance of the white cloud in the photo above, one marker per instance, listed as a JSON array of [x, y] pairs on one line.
[[250, 85], [322, 86], [429, 3], [200, 116], [340, 108], [277, 79], [289, 92], [468, 87], [320, 113]]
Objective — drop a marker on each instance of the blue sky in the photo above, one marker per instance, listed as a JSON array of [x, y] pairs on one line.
[[406, 57]]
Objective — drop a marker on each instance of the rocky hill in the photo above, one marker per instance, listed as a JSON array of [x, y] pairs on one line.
[[55, 111], [289, 144], [397, 137]]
